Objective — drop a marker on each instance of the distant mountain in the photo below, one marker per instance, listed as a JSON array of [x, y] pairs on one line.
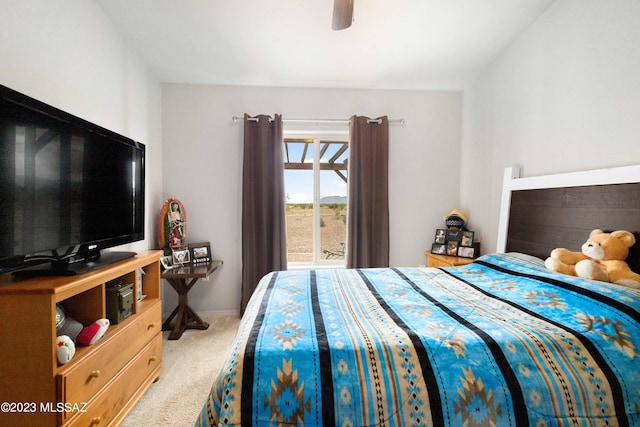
[[333, 199]]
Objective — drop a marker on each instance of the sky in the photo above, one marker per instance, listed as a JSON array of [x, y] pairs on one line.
[[298, 185]]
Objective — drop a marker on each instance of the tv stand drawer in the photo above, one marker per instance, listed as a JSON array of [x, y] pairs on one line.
[[114, 401]]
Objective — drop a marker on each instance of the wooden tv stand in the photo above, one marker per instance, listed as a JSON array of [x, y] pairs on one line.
[[103, 381]]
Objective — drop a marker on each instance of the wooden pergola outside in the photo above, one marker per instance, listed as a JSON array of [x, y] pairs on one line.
[[339, 167]]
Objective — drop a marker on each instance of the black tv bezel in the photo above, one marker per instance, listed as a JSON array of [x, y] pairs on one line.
[[81, 256]]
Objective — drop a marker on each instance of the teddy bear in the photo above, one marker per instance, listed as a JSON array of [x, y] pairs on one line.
[[602, 258]]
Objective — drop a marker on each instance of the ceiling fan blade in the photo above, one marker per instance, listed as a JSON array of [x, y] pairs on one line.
[[342, 14]]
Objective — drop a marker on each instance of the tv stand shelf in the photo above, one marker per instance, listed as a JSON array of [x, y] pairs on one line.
[[103, 381]]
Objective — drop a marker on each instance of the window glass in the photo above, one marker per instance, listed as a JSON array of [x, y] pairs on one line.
[[316, 197]]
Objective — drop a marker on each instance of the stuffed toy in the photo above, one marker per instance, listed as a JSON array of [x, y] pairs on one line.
[[602, 258], [65, 349], [93, 332]]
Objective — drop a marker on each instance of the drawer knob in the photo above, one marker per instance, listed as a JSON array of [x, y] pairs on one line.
[[152, 359], [95, 421], [95, 374], [151, 326]]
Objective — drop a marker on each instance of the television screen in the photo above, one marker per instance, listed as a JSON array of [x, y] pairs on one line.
[[69, 188]]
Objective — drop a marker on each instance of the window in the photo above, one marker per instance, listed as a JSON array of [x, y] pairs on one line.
[[315, 180]]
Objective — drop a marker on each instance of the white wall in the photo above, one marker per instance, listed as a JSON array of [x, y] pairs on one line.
[[68, 54], [203, 165], [565, 96]]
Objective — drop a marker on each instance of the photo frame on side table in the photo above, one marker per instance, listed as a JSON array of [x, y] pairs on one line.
[[441, 235], [200, 252], [181, 256], [437, 248], [454, 235], [466, 251], [167, 262], [467, 238], [452, 248]]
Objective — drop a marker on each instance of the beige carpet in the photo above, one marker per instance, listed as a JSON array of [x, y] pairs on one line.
[[189, 366]]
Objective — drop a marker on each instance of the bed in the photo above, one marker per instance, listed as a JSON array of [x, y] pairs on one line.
[[501, 341]]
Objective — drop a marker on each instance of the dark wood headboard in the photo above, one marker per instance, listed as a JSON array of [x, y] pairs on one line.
[[541, 219]]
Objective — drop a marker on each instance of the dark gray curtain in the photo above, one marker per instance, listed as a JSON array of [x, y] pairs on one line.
[[368, 211], [264, 244]]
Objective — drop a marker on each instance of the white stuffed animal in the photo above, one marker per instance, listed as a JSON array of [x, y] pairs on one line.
[[65, 349]]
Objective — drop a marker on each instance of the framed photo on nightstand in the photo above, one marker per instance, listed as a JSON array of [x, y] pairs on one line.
[[437, 248], [452, 248], [454, 235], [441, 235], [467, 238], [466, 251]]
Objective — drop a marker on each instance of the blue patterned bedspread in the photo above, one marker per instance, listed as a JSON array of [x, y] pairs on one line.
[[499, 342]]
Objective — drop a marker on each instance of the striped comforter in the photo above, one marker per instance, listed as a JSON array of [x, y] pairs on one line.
[[500, 342]]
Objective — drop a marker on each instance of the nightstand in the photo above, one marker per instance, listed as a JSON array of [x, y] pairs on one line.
[[436, 260]]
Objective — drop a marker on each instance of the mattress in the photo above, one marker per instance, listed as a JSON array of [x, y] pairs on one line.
[[499, 342]]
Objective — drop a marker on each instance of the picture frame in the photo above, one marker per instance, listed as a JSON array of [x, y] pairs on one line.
[[454, 235], [452, 247], [467, 238], [466, 251], [200, 252], [441, 235], [167, 262], [438, 248], [181, 256]]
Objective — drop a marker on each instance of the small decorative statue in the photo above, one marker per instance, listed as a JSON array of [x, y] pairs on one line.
[[172, 225]]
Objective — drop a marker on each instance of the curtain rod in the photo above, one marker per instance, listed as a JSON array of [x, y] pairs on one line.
[[323, 121]]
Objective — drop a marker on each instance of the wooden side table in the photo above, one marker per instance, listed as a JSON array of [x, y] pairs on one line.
[[437, 260], [182, 280]]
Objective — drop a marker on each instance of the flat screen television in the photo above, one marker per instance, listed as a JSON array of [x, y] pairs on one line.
[[68, 190]]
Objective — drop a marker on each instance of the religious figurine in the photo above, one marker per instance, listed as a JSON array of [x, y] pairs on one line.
[[172, 225]]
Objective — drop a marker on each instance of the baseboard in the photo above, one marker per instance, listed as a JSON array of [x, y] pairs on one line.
[[210, 313], [219, 313]]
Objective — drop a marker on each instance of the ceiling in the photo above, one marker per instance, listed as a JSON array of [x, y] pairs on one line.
[[400, 44]]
